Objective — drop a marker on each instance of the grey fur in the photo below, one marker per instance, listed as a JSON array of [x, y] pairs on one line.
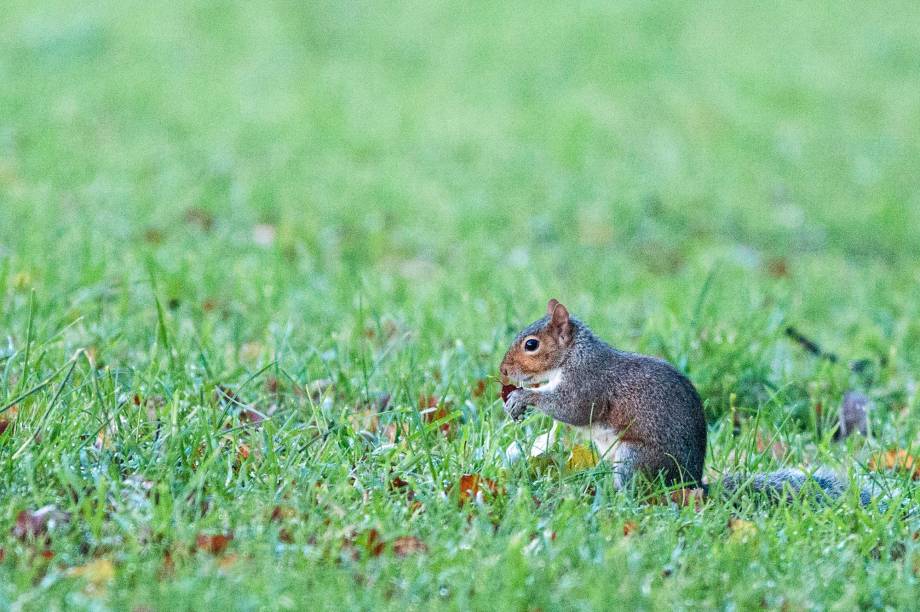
[[651, 405]]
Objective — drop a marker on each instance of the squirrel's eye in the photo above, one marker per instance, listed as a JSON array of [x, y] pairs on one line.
[[531, 345]]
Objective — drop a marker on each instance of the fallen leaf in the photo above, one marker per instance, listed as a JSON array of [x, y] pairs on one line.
[[214, 544], [97, 573], [374, 543], [242, 452], [398, 484], [29, 525], [741, 530], [630, 527], [480, 388], [252, 416], [4, 425], [153, 235], [581, 458], [694, 498], [506, 391], [897, 460], [280, 513], [433, 410], [472, 486], [778, 267], [408, 545]]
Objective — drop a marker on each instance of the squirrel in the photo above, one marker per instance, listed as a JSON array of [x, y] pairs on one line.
[[645, 417]]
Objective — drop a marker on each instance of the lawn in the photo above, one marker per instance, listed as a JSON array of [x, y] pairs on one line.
[[259, 263]]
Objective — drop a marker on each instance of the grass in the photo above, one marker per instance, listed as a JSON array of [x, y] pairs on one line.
[[258, 196]]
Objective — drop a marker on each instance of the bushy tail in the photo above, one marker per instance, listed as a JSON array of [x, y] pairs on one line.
[[787, 484]]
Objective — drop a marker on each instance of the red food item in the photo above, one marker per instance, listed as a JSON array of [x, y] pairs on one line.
[[506, 391]]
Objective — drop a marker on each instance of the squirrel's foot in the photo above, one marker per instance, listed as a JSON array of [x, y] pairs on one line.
[[516, 405]]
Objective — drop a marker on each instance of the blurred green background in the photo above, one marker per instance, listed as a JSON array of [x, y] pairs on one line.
[[459, 165]]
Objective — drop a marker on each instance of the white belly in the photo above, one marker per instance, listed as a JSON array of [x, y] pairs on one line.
[[610, 448]]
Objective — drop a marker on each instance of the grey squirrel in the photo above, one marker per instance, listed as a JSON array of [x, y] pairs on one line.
[[644, 416]]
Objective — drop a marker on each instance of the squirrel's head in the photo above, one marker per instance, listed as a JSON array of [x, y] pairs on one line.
[[540, 348]]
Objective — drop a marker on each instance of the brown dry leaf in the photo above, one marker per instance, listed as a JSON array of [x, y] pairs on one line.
[[896, 459], [29, 525], [404, 546], [153, 235], [507, 390], [252, 416], [741, 530], [473, 486], [777, 448], [4, 425], [630, 527], [374, 543], [433, 410], [778, 267], [581, 458], [480, 388], [280, 513], [214, 544], [242, 452], [398, 484], [694, 498]]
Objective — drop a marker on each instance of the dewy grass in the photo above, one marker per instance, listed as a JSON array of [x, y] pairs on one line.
[[259, 263]]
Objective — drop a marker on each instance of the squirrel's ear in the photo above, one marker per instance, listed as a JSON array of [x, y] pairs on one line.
[[551, 306], [559, 316]]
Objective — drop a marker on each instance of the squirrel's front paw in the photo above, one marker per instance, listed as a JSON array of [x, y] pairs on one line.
[[516, 404]]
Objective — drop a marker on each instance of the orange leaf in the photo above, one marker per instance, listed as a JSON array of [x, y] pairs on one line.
[[630, 527], [213, 544], [896, 459], [473, 485]]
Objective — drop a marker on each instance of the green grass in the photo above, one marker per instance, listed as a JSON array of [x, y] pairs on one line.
[[689, 179]]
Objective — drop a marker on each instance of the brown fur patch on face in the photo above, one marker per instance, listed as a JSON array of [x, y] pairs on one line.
[[519, 363], [554, 331]]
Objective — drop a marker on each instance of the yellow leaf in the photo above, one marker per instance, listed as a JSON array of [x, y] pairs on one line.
[[97, 573], [582, 458], [741, 530]]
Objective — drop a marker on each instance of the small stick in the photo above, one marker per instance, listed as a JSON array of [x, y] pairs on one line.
[[809, 345]]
